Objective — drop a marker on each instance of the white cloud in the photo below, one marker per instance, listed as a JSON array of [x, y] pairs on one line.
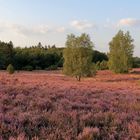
[[60, 29], [25, 30], [43, 29], [23, 34], [131, 22], [22, 29], [81, 25]]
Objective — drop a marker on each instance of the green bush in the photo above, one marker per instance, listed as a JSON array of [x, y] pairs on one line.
[[104, 65], [28, 68], [10, 69], [136, 62], [38, 68], [52, 67], [60, 62]]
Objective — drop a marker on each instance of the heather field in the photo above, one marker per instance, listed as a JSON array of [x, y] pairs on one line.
[[50, 106]]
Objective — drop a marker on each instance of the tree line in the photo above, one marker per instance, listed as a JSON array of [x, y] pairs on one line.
[[78, 58], [37, 57]]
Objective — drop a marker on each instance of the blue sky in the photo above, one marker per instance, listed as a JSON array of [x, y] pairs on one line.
[[28, 22]]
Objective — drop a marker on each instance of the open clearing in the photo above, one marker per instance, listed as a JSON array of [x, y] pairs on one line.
[[52, 106]]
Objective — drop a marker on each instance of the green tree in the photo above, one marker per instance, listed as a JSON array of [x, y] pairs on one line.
[[121, 52], [78, 56], [6, 54]]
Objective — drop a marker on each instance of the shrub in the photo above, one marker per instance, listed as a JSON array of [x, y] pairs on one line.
[[38, 68], [104, 65], [10, 69], [52, 67], [98, 65], [28, 68], [60, 62], [136, 62]]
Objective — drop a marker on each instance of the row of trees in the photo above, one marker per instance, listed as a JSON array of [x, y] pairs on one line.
[[78, 58], [37, 57], [78, 55]]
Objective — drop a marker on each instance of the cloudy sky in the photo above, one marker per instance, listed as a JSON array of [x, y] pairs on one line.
[[28, 22]]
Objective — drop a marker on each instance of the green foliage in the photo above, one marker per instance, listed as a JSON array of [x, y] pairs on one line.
[[104, 65], [60, 62], [52, 67], [41, 57], [121, 52], [98, 65], [10, 69], [92, 70], [78, 56], [136, 62], [28, 68], [38, 68], [98, 56], [6, 54], [38, 56]]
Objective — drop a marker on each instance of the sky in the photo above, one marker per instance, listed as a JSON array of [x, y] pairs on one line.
[[27, 22]]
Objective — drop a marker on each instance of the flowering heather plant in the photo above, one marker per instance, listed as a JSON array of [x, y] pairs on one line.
[[51, 106], [89, 134]]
